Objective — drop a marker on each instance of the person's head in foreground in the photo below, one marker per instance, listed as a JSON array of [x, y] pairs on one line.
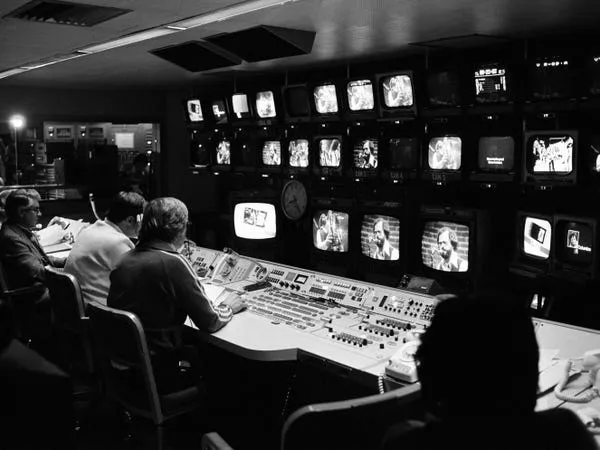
[[165, 219]]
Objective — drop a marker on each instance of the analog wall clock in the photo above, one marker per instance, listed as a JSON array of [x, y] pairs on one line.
[[294, 199]]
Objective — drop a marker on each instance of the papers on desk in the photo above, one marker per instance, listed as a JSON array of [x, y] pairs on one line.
[[551, 370], [547, 358], [65, 231]]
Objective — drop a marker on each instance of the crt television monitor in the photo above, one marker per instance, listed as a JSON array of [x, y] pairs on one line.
[[241, 106], [442, 89], [444, 153], [360, 95], [575, 245], [330, 230], [490, 83], [265, 105], [329, 155], [534, 239], [550, 157], [403, 153], [296, 101], [298, 153], [552, 79], [199, 149], [396, 94], [366, 154], [496, 154], [194, 111], [325, 99], [219, 111], [445, 245], [380, 237], [255, 221], [223, 153], [271, 153]]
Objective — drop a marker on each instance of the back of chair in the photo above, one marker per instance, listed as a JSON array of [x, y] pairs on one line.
[[350, 424], [67, 302], [125, 360]]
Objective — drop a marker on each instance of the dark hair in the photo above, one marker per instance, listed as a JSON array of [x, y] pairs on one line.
[[386, 227], [17, 199], [124, 205], [479, 356], [451, 235], [165, 219]]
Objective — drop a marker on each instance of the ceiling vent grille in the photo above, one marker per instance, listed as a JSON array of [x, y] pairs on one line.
[[65, 13]]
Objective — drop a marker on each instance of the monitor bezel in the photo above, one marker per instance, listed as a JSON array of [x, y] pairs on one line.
[[589, 270], [325, 117], [289, 118], [545, 178], [361, 114], [329, 172], [391, 113]]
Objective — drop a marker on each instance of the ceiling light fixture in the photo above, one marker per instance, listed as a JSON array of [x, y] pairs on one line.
[[128, 40]]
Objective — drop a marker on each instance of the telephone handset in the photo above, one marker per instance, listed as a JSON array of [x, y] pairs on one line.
[[402, 365], [590, 364]]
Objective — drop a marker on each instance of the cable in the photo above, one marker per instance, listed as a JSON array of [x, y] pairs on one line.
[[380, 384]]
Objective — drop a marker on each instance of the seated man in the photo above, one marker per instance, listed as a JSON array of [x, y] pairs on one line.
[[478, 367], [101, 246], [160, 286]]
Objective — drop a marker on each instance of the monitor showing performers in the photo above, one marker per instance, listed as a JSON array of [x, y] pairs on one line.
[[360, 95], [365, 154], [224, 153], [445, 153], [298, 151], [551, 154], [380, 237], [271, 153], [445, 246], [330, 152], [265, 104], [326, 99], [330, 230], [397, 91]]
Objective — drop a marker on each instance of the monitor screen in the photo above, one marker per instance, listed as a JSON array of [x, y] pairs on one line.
[[442, 89], [199, 155], [445, 153], [298, 151], [296, 101], [330, 152], [326, 99], [445, 246], [380, 237], [552, 79], [271, 153], [265, 104], [330, 230], [255, 221], [219, 111], [575, 242], [360, 95], [403, 153], [594, 152], [550, 154], [537, 237], [496, 153], [240, 106], [224, 153], [194, 110], [365, 154], [397, 91], [490, 84]]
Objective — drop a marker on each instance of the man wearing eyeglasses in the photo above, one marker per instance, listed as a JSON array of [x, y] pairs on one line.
[[23, 258]]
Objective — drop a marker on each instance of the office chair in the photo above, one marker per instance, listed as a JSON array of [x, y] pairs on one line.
[[69, 317], [214, 441], [122, 352], [349, 424]]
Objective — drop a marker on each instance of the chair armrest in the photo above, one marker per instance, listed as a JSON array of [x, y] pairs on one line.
[[214, 441], [22, 291]]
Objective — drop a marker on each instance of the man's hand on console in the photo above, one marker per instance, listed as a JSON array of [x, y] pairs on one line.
[[235, 303]]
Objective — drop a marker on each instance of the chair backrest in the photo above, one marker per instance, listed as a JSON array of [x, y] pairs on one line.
[[350, 424], [124, 358], [67, 302]]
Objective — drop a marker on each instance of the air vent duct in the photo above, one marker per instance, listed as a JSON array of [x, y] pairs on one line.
[[65, 13], [196, 56], [264, 42]]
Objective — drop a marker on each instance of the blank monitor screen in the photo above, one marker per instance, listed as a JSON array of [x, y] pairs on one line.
[[240, 106], [575, 242], [496, 153], [550, 154], [397, 91], [445, 246], [224, 153], [330, 230], [326, 99], [442, 88], [445, 153], [360, 95], [194, 110], [255, 221], [380, 237], [298, 150], [365, 154], [265, 104], [403, 153], [271, 153], [296, 101], [330, 152], [537, 237]]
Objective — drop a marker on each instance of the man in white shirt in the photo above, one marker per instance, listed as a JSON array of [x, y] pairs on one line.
[[101, 246], [381, 237]]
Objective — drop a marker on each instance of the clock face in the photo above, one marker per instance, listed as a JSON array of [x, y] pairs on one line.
[[294, 200]]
